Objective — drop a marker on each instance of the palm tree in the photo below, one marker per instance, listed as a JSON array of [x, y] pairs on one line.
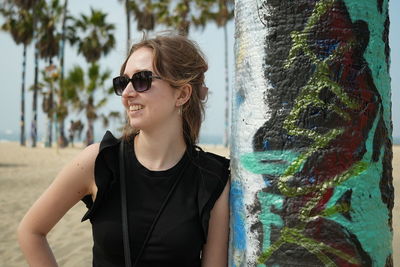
[[225, 13], [35, 7], [174, 14], [144, 14], [96, 36], [48, 35], [96, 39], [19, 24], [128, 23], [48, 46], [62, 111], [81, 87], [48, 89], [67, 34]]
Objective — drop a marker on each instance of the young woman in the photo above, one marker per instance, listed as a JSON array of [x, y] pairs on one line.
[[176, 195]]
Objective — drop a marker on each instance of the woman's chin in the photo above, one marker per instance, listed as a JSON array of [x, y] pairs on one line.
[[136, 126]]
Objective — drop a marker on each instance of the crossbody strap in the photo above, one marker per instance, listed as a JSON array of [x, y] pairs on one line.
[[150, 231], [125, 232], [127, 251]]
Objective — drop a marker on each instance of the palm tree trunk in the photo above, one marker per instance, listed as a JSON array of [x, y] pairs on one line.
[[185, 25], [128, 26], [90, 114], [227, 103], [311, 153], [90, 132], [49, 127], [34, 103], [62, 140], [50, 118], [22, 122], [36, 76]]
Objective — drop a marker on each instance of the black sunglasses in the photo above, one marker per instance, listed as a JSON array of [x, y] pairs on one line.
[[141, 82]]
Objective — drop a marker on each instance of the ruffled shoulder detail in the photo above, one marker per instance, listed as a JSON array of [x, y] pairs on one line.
[[106, 172], [214, 174]]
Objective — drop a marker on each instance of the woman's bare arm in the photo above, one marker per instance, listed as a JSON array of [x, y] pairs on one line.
[[215, 251], [73, 182]]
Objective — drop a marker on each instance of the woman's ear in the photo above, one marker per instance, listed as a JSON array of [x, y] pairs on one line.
[[184, 93]]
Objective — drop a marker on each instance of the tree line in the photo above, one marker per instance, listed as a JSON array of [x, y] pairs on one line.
[[48, 26]]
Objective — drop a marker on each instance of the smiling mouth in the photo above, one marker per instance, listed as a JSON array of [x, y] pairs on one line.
[[135, 107]]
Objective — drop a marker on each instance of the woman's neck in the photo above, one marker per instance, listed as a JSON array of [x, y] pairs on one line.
[[161, 149]]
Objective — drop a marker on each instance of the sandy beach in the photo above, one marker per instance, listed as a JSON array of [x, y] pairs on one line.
[[25, 173]]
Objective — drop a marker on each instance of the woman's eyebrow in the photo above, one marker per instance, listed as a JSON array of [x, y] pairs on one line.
[[136, 71]]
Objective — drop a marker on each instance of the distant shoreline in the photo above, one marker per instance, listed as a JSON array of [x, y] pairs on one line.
[[215, 141], [204, 139]]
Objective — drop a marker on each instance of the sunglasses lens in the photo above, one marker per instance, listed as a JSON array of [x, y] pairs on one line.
[[141, 81], [120, 84]]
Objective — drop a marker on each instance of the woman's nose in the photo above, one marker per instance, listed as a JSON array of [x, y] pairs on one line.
[[129, 91]]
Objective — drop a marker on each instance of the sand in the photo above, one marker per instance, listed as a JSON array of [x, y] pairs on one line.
[[25, 173]]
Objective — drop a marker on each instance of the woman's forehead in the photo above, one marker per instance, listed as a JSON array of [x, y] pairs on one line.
[[141, 59]]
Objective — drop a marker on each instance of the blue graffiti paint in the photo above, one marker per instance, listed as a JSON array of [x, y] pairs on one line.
[[237, 216], [266, 145], [326, 48], [239, 99], [267, 183]]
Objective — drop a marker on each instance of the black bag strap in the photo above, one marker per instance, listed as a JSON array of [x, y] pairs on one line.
[[127, 251], [125, 232], [153, 224]]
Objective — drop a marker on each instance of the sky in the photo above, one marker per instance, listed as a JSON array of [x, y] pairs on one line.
[[210, 41]]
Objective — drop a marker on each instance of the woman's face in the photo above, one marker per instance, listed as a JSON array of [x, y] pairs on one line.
[[151, 108]]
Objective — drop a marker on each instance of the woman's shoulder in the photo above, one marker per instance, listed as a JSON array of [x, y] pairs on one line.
[[214, 171], [211, 162], [104, 160], [90, 153], [214, 176], [108, 140]]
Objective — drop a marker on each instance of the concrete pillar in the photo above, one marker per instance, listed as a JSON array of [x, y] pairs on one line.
[[311, 140]]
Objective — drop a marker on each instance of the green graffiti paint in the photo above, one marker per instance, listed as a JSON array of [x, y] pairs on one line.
[[356, 169], [338, 208], [268, 200], [268, 162], [321, 142], [366, 198], [295, 236], [299, 39], [366, 10]]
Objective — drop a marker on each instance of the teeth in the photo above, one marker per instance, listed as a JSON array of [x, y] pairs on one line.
[[135, 107]]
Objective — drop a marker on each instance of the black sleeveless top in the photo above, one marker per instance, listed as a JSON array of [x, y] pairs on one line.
[[181, 230]]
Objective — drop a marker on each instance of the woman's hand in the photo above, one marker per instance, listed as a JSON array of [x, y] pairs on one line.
[[215, 251], [73, 182]]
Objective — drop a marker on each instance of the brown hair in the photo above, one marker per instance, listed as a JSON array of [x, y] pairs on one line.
[[178, 61]]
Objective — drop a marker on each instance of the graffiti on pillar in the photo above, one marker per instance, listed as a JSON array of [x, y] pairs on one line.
[[325, 151]]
